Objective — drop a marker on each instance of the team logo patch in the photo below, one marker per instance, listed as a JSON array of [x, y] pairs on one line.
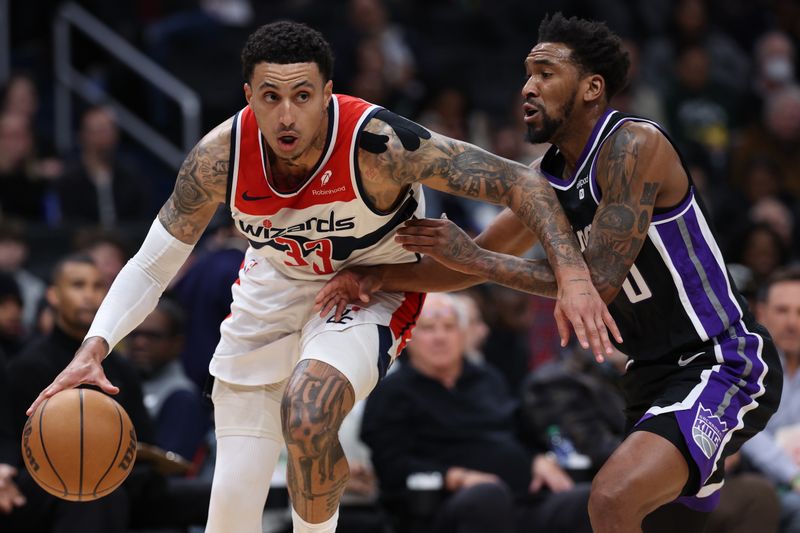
[[707, 431], [250, 264], [326, 177]]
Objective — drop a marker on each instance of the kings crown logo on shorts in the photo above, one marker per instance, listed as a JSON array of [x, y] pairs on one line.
[[707, 431]]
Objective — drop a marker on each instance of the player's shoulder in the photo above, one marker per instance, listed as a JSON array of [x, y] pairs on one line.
[[219, 136], [640, 131]]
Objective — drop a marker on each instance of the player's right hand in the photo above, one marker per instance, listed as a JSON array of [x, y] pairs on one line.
[[85, 368], [351, 286]]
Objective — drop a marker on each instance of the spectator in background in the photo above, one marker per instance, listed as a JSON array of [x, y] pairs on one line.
[[761, 250], [21, 96], [23, 181], [773, 70], [699, 109], [108, 250], [102, 187], [11, 332], [775, 138], [776, 451], [13, 257], [639, 97], [173, 401], [438, 412], [691, 26], [477, 330]]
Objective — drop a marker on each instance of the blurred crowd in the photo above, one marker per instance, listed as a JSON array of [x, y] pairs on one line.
[[485, 371]]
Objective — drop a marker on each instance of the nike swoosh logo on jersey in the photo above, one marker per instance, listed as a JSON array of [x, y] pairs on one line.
[[684, 362], [249, 198]]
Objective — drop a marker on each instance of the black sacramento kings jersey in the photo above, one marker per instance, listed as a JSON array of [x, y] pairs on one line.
[[678, 294]]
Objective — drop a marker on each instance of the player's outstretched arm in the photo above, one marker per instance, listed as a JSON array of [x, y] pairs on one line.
[[199, 188], [506, 234], [404, 153]]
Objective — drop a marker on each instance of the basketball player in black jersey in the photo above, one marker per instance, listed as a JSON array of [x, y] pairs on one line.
[[703, 376]]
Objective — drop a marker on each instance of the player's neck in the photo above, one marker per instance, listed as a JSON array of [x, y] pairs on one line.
[[288, 174], [575, 133]]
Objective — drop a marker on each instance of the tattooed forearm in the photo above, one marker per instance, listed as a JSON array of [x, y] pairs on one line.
[[533, 276], [199, 188], [314, 405]]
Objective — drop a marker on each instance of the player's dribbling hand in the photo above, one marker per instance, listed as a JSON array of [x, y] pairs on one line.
[[351, 286], [580, 304], [85, 368]]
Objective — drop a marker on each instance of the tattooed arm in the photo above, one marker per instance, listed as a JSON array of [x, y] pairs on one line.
[[635, 165], [456, 167], [199, 188], [396, 153]]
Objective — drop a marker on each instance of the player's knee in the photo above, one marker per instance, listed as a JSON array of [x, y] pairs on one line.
[[607, 502], [313, 406]]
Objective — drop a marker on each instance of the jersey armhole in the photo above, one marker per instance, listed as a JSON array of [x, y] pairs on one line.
[[232, 161]]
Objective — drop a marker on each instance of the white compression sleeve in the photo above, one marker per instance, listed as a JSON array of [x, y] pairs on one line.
[[137, 288]]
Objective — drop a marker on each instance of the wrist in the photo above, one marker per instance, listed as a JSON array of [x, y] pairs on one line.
[[95, 348]]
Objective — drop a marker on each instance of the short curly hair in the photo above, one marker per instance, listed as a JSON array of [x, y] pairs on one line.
[[286, 42], [595, 49]]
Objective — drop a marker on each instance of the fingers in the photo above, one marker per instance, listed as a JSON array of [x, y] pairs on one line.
[[593, 335], [107, 386], [44, 395], [536, 484], [425, 223], [417, 240], [611, 324], [563, 326], [341, 307]]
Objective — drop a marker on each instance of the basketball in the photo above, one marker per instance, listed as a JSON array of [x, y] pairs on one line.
[[79, 445]]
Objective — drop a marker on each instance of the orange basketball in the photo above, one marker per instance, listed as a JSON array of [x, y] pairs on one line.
[[79, 445]]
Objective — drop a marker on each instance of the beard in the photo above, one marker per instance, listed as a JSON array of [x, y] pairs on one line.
[[550, 125]]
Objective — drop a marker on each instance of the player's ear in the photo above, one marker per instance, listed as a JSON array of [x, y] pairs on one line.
[[248, 92], [327, 92], [594, 86]]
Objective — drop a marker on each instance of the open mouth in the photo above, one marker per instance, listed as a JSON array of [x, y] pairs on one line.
[[287, 142], [530, 112]]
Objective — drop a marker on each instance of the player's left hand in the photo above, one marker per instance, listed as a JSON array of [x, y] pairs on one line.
[[580, 304], [439, 239]]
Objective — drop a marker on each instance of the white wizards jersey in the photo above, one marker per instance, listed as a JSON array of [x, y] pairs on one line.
[[328, 223]]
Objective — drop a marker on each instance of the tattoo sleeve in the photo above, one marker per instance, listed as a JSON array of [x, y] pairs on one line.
[[199, 188], [623, 217], [460, 168]]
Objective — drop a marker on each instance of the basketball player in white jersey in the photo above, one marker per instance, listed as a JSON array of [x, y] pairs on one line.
[[316, 182]]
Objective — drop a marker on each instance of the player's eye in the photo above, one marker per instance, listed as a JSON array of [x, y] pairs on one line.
[[304, 97], [271, 97]]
